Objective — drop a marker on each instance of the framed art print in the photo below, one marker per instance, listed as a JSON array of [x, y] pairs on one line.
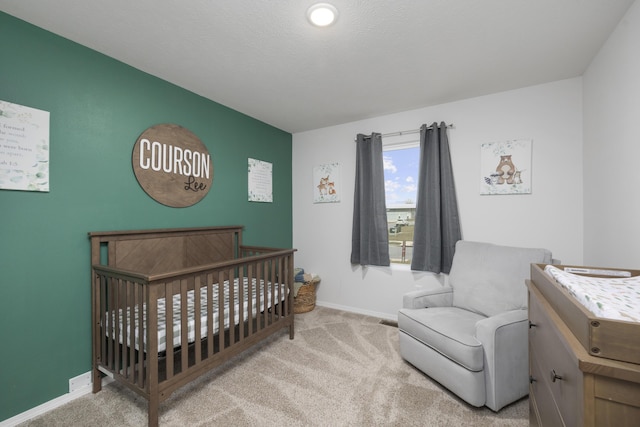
[[24, 148], [326, 183], [505, 167], [260, 181]]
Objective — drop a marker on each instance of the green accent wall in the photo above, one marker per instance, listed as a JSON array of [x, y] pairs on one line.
[[98, 107]]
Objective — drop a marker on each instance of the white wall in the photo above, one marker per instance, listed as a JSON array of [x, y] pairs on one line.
[[550, 217], [612, 149]]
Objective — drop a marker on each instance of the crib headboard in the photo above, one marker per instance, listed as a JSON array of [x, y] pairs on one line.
[[165, 250]]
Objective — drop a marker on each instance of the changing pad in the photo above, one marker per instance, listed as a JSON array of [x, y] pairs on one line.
[[609, 298]]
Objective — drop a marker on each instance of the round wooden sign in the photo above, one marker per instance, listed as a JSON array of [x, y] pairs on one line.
[[172, 165]]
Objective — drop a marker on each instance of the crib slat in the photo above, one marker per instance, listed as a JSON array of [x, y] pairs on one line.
[[210, 314], [221, 310], [124, 330], [116, 324], [124, 304], [258, 296], [231, 306], [112, 321], [272, 311], [122, 336], [142, 297], [242, 297], [287, 284], [197, 314], [250, 299], [265, 289], [282, 283], [132, 329], [280, 280], [260, 293], [109, 327], [168, 319], [184, 325]]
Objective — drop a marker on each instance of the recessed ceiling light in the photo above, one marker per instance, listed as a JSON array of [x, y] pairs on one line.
[[322, 14]]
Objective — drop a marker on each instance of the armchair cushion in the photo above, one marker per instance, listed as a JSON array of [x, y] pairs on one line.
[[448, 330], [489, 279], [439, 296]]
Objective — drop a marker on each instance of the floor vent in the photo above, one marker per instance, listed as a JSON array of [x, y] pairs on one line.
[[389, 323]]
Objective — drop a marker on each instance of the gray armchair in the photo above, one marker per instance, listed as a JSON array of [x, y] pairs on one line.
[[471, 334]]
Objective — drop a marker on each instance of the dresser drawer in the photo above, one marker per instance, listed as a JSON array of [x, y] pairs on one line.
[[543, 409], [617, 402], [554, 365], [593, 391]]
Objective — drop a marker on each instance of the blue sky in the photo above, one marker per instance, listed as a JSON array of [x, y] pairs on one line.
[[401, 175]]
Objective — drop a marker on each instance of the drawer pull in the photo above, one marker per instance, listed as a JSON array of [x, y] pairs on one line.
[[532, 325], [555, 376]]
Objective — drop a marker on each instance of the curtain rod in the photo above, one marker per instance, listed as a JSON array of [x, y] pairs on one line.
[[405, 132]]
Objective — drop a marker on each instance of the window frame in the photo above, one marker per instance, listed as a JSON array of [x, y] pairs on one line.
[[396, 146]]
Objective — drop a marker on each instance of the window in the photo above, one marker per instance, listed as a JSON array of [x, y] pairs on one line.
[[401, 166]]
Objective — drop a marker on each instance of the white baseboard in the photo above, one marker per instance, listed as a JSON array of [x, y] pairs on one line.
[[78, 387], [384, 316]]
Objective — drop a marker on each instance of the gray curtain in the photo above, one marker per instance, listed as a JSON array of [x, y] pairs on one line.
[[369, 238], [437, 226]]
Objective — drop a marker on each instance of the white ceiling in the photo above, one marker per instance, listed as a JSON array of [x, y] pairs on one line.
[[264, 59]]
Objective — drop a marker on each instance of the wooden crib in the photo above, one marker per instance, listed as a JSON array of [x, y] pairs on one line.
[[148, 287]]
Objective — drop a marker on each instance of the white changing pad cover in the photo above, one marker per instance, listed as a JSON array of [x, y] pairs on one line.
[[609, 298], [177, 327]]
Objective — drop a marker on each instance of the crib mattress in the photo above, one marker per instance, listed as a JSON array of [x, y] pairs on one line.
[[609, 298], [280, 294]]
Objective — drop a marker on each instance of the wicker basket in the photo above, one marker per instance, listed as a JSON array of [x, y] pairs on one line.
[[305, 300]]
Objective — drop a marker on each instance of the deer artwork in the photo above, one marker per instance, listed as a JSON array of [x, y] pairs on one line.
[[324, 186], [517, 177], [332, 188]]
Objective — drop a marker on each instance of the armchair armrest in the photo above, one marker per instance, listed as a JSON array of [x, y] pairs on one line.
[[505, 339], [441, 296]]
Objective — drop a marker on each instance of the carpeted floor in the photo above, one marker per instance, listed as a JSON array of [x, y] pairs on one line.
[[342, 369]]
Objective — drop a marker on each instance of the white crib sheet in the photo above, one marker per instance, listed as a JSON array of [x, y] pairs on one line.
[[609, 298], [280, 294]]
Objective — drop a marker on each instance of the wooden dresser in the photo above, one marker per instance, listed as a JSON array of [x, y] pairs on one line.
[[570, 387]]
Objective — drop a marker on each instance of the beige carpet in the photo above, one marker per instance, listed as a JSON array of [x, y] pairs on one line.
[[342, 369]]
